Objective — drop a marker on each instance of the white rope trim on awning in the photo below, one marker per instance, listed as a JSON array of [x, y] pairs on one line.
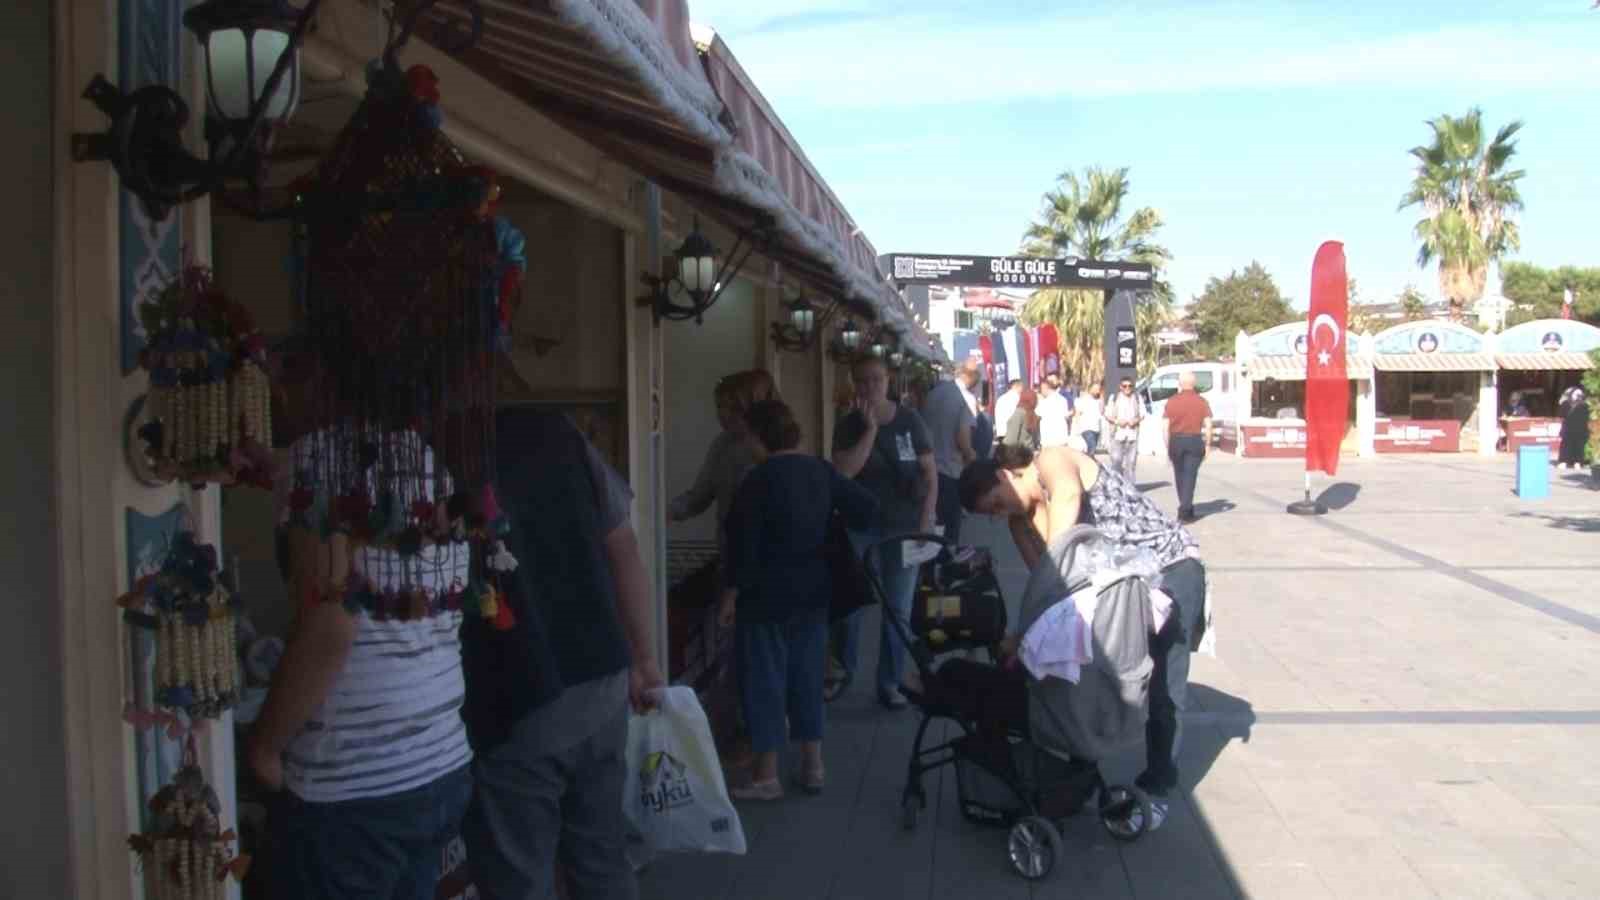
[[621, 30]]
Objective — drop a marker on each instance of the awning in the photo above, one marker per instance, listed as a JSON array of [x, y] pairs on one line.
[[1434, 362], [628, 77], [1293, 368], [1545, 361]]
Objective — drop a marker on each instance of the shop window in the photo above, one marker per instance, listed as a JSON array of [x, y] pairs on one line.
[[965, 320]]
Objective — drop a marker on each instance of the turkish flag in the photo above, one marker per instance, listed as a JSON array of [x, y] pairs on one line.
[[1049, 349], [1327, 382]]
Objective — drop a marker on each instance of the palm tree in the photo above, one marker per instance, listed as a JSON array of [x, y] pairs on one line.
[[1083, 217], [1467, 193]]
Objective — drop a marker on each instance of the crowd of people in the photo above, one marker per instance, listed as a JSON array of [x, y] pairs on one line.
[[388, 736]]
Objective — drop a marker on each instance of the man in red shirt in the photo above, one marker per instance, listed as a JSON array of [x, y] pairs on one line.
[[1188, 426]]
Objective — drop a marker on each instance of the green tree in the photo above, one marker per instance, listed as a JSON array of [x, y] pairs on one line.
[[1413, 305], [1245, 301], [1537, 291], [1083, 217], [1467, 195]]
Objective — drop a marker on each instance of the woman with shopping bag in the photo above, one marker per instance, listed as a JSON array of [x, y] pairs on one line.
[[778, 542]]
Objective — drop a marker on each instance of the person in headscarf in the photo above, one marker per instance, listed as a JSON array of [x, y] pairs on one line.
[[1574, 427]]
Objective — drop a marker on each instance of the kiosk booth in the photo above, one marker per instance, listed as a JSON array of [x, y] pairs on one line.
[[1271, 398], [1538, 361], [1435, 389]]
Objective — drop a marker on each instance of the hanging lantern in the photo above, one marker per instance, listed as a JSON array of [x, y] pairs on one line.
[[850, 336], [243, 41], [802, 317], [697, 265], [192, 614]]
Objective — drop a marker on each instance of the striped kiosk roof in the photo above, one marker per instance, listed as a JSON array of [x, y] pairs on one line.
[[1545, 361], [1293, 368], [1434, 362]]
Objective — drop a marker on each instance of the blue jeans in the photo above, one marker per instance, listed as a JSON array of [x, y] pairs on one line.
[[383, 848], [1187, 452], [1185, 582], [781, 664], [1091, 440], [900, 587]]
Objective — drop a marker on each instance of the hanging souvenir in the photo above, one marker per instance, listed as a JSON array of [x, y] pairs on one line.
[[185, 853], [409, 286], [191, 612], [210, 400]]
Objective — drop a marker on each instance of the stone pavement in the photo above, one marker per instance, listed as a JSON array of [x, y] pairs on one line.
[[1405, 703]]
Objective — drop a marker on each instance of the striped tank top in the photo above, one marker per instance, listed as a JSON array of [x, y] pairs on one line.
[[393, 719]]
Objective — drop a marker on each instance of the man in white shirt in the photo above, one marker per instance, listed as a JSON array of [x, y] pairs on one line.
[[1005, 406], [1055, 414], [1122, 415], [1086, 418]]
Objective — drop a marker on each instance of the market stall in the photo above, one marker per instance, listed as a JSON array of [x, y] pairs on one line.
[[1271, 401], [1538, 361], [1434, 389]]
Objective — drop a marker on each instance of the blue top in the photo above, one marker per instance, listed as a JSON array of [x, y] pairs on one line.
[[778, 530]]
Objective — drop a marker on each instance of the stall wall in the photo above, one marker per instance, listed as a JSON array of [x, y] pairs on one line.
[[696, 357], [800, 378], [33, 776]]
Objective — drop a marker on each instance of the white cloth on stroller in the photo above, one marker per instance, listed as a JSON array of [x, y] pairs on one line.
[[1061, 642]]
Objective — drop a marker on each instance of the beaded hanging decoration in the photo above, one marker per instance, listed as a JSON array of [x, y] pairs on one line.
[[191, 612], [210, 404], [409, 282], [185, 853]]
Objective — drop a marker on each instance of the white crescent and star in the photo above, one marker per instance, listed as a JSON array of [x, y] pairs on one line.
[[1323, 357]]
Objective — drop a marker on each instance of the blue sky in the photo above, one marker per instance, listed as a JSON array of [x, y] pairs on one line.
[[1257, 129]]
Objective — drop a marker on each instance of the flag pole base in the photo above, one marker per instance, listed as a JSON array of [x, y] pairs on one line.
[[1307, 508]]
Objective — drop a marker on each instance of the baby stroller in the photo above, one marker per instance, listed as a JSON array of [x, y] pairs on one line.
[[1042, 766]]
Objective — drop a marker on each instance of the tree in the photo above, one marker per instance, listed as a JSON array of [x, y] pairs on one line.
[[1245, 301], [1413, 306], [1537, 292], [1467, 195], [1082, 216]]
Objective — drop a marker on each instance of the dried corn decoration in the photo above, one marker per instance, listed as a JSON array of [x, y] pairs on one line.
[[210, 398], [191, 612], [185, 853]]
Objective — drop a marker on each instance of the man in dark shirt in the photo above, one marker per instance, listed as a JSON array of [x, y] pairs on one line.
[[1188, 421]]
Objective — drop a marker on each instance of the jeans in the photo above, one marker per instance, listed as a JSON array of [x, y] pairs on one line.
[[899, 587], [1091, 440], [1186, 451], [948, 507], [782, 667], [1125, 458], [385, 848], [1185, 582], [530, 811]]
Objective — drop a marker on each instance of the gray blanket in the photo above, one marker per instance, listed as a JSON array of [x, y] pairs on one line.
[[1106, 710]]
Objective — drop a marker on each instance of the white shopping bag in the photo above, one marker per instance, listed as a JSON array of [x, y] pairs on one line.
[[675, 798]]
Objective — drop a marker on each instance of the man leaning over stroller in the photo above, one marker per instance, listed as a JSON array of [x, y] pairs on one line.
[[1047, 493]]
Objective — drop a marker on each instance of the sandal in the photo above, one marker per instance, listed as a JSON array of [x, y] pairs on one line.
[[810, 780], [834, 688], [759, 790]]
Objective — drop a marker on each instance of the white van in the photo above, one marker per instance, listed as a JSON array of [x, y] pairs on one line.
[[1215, 381]]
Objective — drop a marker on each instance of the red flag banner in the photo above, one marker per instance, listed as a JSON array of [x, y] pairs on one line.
[[986, 347], [1049, 349], [1327, 383]]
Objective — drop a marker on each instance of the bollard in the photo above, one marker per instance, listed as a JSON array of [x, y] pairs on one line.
[[1533, 472]]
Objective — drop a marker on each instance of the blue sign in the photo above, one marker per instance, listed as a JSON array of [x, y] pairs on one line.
[[150, 48], [1550, 335]]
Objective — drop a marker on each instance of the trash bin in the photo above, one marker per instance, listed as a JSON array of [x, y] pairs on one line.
[[1533, 472]]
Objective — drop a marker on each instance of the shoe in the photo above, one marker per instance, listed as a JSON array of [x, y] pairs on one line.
[[760, 791], [834, 688], [892, 699], [810, 780], [1158, 813]]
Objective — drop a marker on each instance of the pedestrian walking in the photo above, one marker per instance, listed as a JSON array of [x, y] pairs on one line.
[[1023, 428], [1124, 415], [778, 534], [1086, 418], [1055, 414], [1005, 406], [886, 448], [983, 430], [1188, 432], [1574, 427], [950, 421]]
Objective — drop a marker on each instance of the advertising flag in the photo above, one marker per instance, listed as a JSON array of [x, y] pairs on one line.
[[1327, 382], [986, 347], [1002, 362], [1049, 349]]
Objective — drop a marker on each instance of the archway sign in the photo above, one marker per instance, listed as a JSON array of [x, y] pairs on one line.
[[1120, 282]]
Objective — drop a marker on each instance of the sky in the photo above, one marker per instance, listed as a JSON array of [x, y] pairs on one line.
[[1257, 130]]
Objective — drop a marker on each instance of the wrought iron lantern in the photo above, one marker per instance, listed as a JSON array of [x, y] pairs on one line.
[[805, 324], [697, 274]]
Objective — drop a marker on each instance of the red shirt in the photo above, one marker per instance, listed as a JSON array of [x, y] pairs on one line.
[[1187, 411]]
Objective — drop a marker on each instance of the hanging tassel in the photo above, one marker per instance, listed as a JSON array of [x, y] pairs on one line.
[[504, 619]]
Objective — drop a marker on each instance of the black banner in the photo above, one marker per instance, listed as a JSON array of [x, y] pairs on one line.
[[1016, 271]]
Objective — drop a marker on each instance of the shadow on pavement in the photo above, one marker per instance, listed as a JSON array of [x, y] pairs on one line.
[[1215, 719], [1148, 486], [1338, 496], [1213, 507], [1582, 524]]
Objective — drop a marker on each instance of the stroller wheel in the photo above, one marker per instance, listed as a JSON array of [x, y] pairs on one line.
[[1125, 812], [1034, 846], [910, 809]]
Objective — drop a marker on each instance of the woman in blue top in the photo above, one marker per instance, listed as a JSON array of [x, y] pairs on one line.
[[777, 531]]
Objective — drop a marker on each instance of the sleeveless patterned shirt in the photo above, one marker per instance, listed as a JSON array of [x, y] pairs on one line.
[[1124, 514]]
